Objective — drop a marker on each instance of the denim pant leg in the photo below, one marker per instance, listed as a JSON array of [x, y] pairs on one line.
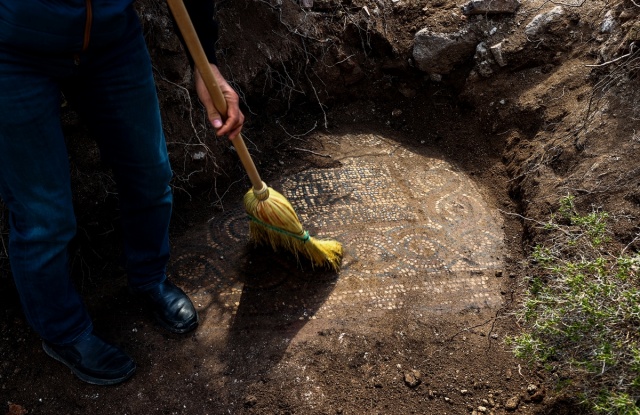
[[35, 185], [116, 94]]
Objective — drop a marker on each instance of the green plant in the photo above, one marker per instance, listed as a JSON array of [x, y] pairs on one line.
[[581, 310]]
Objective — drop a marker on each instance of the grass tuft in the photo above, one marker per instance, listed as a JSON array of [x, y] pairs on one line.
[[581, 311]]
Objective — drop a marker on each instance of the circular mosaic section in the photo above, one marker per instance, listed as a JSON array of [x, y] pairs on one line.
[[417, 234]]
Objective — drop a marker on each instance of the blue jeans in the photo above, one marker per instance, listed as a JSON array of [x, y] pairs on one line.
[[112, 87]]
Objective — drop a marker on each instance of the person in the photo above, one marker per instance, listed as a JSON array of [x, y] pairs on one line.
[[93, 52]]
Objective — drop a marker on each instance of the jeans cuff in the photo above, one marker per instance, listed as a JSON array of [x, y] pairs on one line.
[[149, 285], [84, 333]]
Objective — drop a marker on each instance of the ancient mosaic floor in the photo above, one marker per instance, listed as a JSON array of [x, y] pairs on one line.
[[417, 233]]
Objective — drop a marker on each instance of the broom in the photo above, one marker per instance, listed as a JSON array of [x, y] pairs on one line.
[[273, 220]]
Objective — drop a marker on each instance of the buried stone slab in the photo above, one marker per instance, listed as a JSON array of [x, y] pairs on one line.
[[490, 7], [440, 53]]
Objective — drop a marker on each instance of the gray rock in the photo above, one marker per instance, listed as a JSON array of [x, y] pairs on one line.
[[440, 53], [483, 60], [490, 7], [539, 24], [609, 23], [482, 53]]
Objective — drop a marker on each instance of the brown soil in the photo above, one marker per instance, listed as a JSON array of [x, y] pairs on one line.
[[542, 126]]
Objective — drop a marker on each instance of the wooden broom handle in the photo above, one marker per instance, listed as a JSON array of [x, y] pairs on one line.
[[190, 36]]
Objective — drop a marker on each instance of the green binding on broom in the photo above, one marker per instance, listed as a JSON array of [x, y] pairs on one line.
[[304, 238], [283, 228]]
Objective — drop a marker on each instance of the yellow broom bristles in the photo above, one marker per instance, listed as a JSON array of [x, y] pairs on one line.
[[274, 222]]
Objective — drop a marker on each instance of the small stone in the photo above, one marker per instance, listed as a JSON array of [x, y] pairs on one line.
[[538, 396], [483, 60], [512, 403], [496, 51], [413, 378], [250, 401], [508, 374], [200, 155], [407, 92], [609, 23], [499, 273], [482, 409], [464, 392], [625, 16], [634, 32], [532, 389]]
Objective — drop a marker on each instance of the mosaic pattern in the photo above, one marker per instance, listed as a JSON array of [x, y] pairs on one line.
[[417, 234]]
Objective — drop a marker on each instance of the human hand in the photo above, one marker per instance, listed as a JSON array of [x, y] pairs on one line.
[[232, 125]]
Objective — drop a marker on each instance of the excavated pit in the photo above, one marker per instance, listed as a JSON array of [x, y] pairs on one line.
[[415, 200], [428, 180]]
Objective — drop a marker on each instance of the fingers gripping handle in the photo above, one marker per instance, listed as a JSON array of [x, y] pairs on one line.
[[185, 25]]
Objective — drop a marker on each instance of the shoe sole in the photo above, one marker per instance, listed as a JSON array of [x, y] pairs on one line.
[[83, 376]]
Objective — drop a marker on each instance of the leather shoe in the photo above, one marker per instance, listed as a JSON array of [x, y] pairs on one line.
[[171, 306], [93, 360]]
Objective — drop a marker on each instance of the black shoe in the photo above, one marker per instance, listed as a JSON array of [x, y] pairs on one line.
[[171, 306], [93, 360]]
